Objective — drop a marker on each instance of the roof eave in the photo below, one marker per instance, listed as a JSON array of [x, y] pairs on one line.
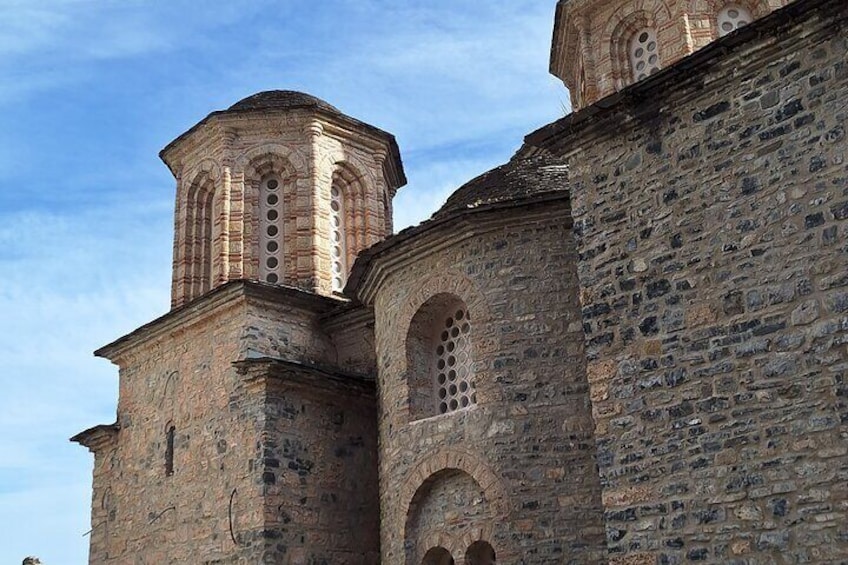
[[367, 260]]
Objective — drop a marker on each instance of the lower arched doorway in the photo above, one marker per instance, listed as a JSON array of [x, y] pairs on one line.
[[437, 556], [480, 553]]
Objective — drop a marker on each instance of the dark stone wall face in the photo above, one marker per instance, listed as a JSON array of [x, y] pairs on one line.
[[527, 445], [711, 230], [319, 475]]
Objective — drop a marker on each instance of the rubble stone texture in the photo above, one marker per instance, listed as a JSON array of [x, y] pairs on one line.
[[656, 297]]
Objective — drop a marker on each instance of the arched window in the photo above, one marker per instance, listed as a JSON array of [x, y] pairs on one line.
[[271, 229], [480, 553], [644, 54], [439, 358], [199, 237], [437, 556], [338, 237], [453, 381], [169, 450], [731, 18]]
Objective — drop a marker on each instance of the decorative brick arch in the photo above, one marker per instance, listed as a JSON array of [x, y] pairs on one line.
[[353, 170], [270, 152], [449, 282], [629, 18], [441, 539], [207, 166], [446, 459], [340, 159], [758, 8], [483, 346], [427, 472], [200, 221], [357, 190], [578, 81], [256, 164]]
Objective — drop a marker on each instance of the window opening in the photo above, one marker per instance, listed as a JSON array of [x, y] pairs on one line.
[[731, 18], [169, 451], [339, 247], [437, 556], [644, 54], [206, 244], [454, 385], [480, 553], [271, 230]]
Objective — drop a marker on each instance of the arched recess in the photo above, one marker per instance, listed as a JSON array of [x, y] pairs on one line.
[[576, 58], [355, 191], [470, 463], [620, 38], [346, 165], [623, 25], [480, 552], [437, 556], [758, 8], [440, 358], [199, 230], [168, 393], [265, 167], [446, 282], [396, 324], [447, 506]]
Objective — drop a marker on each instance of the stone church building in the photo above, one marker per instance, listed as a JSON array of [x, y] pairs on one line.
[[627, 345]]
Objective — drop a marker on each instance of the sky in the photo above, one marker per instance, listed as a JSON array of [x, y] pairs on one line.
[[91, 90]]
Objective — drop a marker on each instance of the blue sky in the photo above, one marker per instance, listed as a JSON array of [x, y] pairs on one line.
[[91, 90]]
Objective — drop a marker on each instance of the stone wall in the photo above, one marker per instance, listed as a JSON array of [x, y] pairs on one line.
[[710, 207], [183, 379], [527, 444], [317, 457], [591, 45], [238, 486]]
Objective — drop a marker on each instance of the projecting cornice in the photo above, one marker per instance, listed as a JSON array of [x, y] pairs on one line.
[[228, 295]]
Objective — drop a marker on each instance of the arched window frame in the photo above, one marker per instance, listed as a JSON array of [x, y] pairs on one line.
[[732, 17], [170, 438], [267, 163], [200, 236], [440, 359], [619, 32], [644, 54], [353, 218], [338, 235], [271, 228]]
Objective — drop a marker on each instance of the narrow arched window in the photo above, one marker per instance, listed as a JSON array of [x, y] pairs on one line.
[[200, 239], [338, 237], [480, 553], [731, 18], [271, 229], [169, 450], [644, 54], [440, 368], [205, 242], [437, 556], [453, 381]]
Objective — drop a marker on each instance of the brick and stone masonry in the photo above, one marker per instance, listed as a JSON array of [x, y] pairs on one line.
[[710, 208], [627, 345]]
